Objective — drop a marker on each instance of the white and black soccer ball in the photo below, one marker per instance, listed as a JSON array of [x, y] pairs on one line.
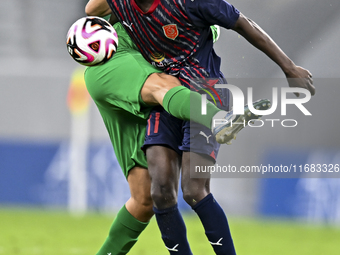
[[91, 41]]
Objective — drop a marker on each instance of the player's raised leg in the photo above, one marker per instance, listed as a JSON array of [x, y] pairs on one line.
[[185, 104], [230, 124]]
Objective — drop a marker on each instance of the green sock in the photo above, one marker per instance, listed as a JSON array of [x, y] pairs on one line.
[[186, 104], [123, 234]]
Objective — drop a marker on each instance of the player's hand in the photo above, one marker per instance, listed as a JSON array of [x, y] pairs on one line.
[[300, 78]]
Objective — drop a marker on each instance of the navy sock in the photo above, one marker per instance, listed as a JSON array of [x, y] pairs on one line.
[[216, 225], [173, 230]]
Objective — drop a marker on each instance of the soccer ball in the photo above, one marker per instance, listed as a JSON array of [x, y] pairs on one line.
[[91, 41]]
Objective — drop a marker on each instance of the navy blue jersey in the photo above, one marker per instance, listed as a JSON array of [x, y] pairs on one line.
[[175, 35]]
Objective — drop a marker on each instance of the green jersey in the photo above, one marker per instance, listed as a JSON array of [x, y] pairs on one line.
[[115, 88]]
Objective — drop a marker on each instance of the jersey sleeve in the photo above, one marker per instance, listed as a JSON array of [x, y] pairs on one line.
[[212, 12]]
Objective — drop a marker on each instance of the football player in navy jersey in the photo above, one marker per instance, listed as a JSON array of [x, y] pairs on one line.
[[175, 36]]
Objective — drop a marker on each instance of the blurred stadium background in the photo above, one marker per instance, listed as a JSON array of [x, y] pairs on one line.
[[55, 153]]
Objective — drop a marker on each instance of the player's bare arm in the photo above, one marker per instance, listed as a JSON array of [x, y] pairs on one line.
[[297, 76], [98, 8]]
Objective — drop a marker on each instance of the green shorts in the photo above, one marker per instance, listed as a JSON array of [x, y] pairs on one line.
[[115, 88]]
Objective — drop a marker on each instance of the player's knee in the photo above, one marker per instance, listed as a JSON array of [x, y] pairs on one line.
[[146, 207], [164, 196], [194, 192], [164, 169], [169, 79], [144, 202], [190, 196], [164, 189], [166, 81], [141, 207]]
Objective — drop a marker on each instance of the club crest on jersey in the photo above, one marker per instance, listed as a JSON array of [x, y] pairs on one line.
[[171, 31]]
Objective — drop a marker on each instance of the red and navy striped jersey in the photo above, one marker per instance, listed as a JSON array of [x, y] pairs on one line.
[[175, 35]]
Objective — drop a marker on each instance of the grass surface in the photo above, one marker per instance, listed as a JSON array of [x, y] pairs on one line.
[[34, 232]]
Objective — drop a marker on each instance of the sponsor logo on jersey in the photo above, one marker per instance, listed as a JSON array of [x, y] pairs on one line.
[[171, 31], [157, 57]]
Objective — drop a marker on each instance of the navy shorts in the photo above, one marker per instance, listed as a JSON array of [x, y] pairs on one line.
[[166, 130]]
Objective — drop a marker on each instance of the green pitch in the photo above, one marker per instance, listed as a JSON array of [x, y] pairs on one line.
[[34, 232]]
